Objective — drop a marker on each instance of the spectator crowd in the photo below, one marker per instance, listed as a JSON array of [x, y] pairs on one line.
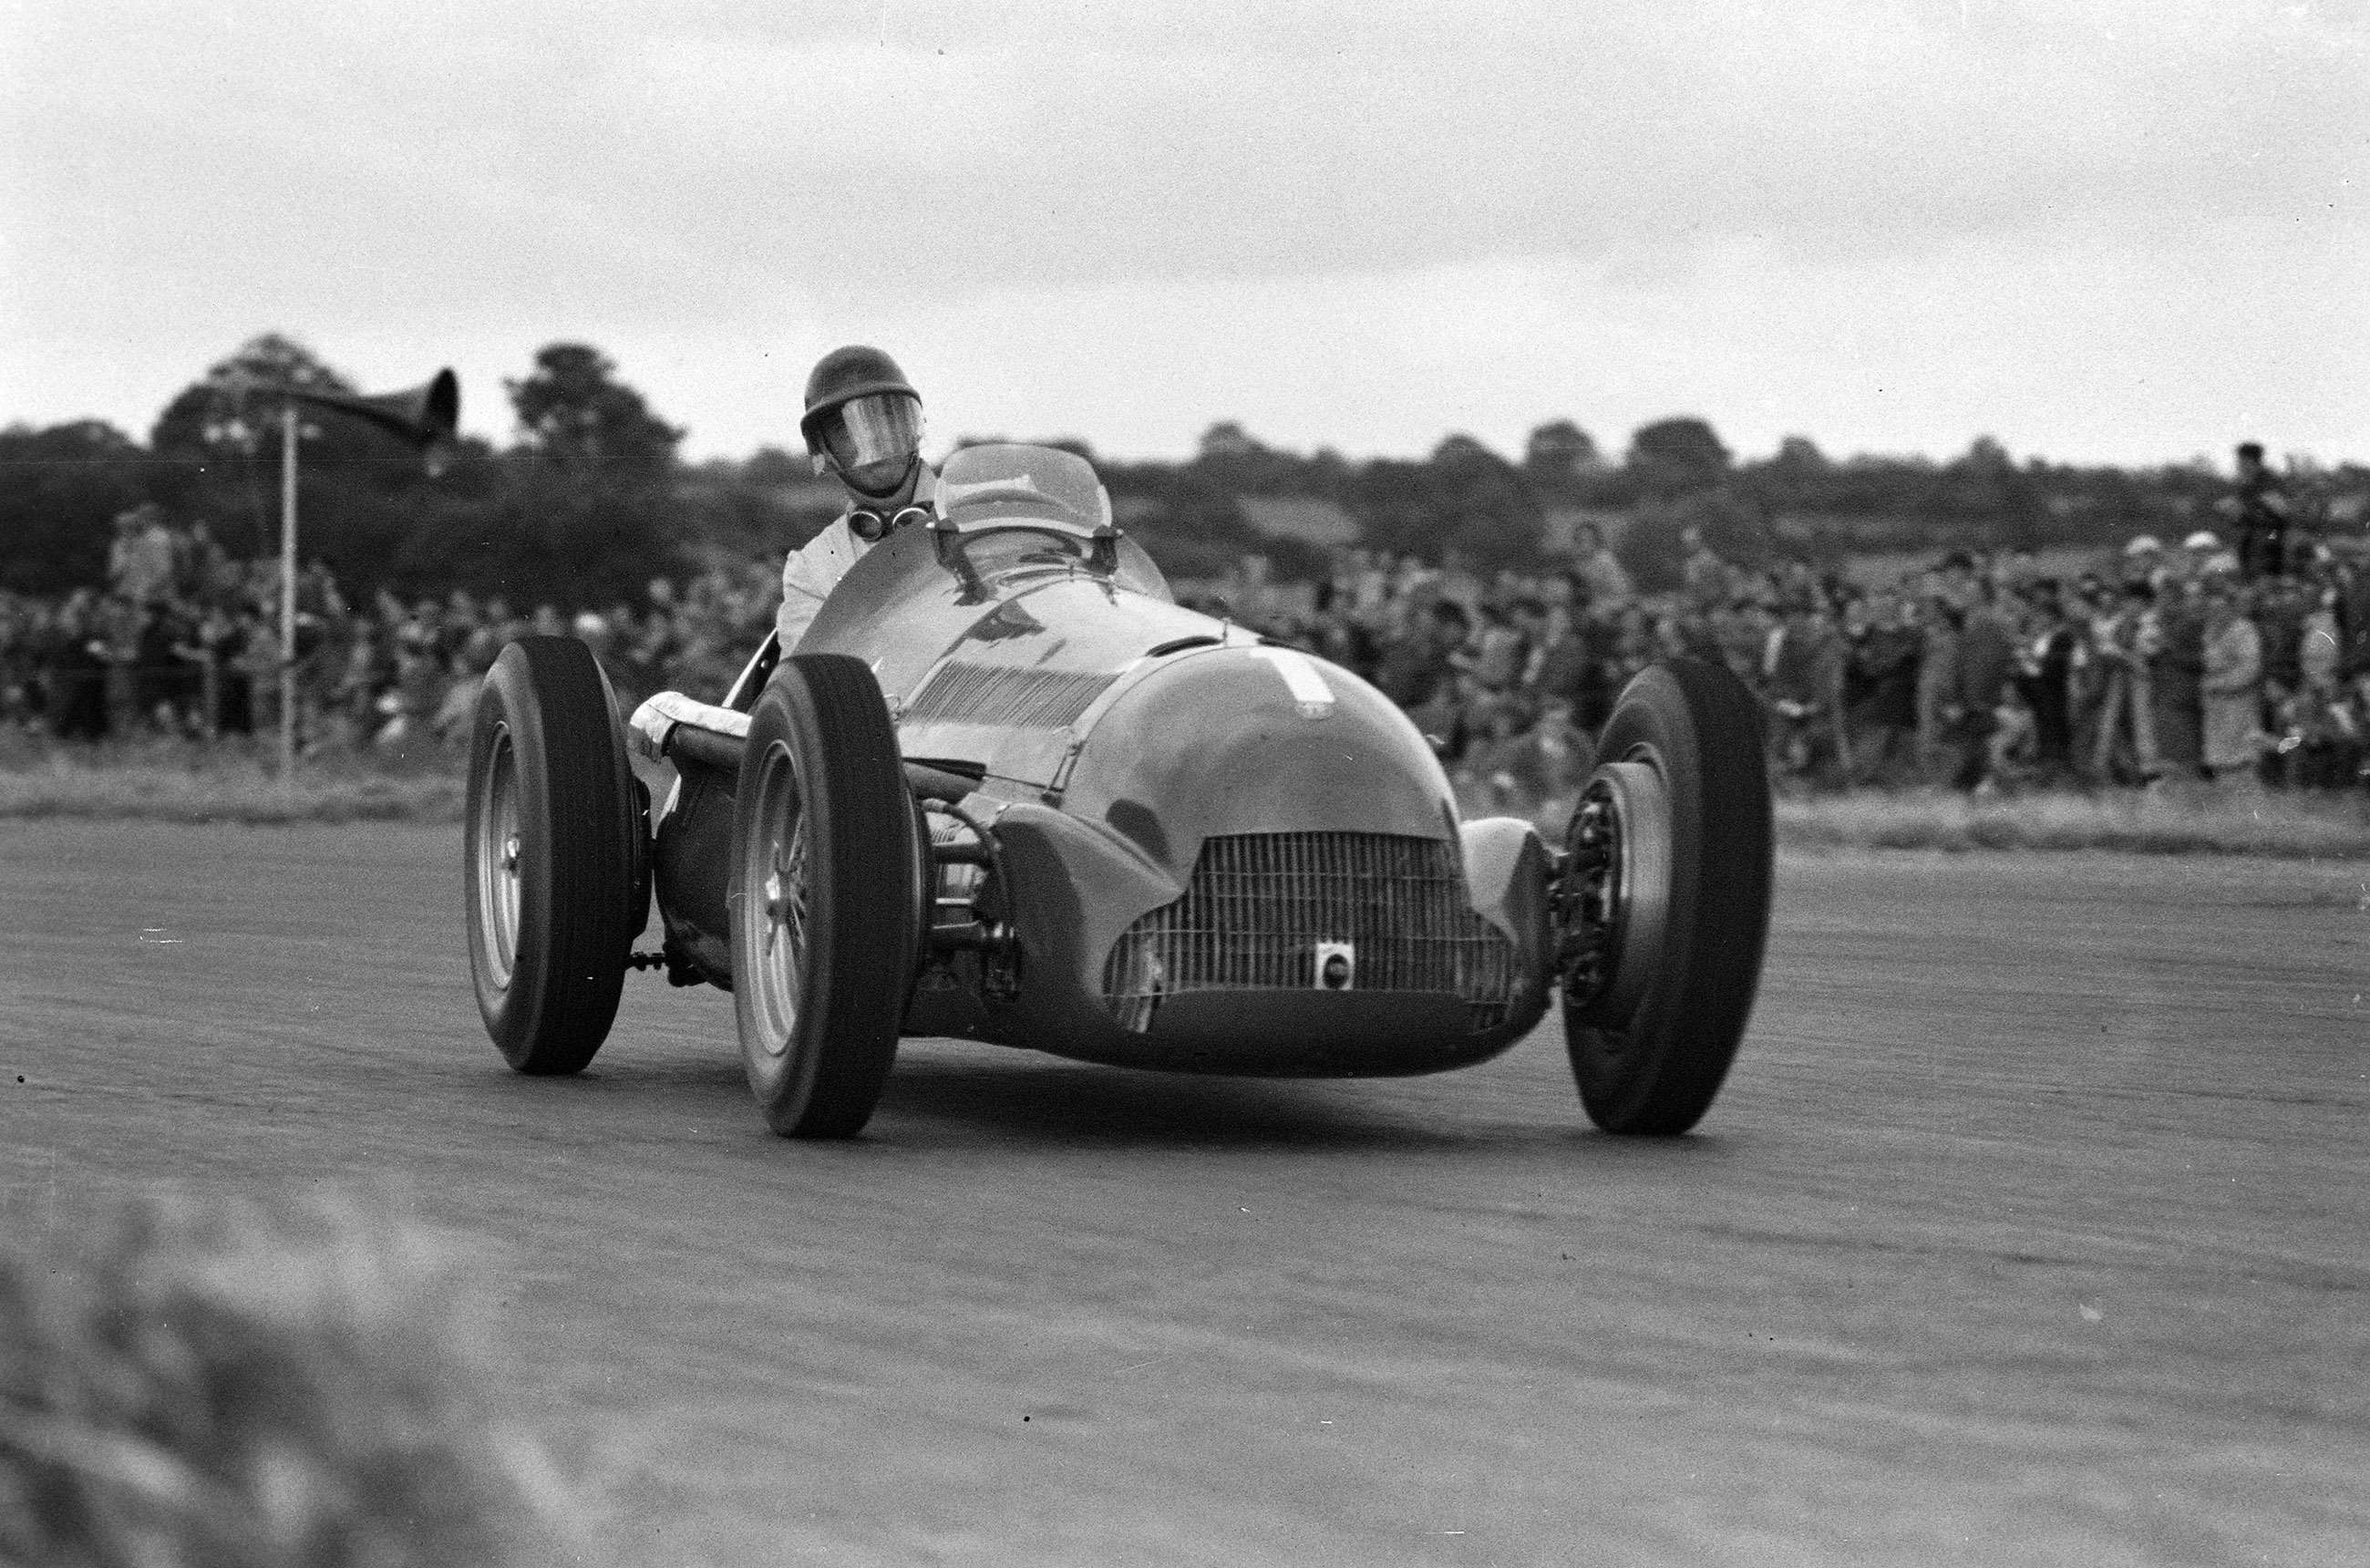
[[185, 641], [1980, 672]]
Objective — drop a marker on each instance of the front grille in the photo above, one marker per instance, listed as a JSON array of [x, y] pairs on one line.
[[997, 693], [1258, 904]]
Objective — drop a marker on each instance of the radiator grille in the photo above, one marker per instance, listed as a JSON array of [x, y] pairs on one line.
[[996, 694], [1258, 904]]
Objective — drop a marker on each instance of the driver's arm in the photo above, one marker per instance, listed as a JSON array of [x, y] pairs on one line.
[[807, 577]]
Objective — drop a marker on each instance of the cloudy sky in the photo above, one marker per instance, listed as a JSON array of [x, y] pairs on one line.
[[2111, 230]]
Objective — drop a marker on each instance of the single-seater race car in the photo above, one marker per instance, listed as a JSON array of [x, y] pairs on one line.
[[1008, 790]]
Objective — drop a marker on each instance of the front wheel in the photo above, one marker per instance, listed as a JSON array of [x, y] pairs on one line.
[[552, 846], [1665, 899], [824, 923]]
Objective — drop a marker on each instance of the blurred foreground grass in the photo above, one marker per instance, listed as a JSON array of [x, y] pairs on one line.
[[225, 1383], [183, 781]]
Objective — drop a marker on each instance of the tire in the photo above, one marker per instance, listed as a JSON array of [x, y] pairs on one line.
[[824, 917], [551, 855], [1652, 1030]]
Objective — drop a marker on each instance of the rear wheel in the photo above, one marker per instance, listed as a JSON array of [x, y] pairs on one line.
[[824, 918], [1665, 899], [551, 850]]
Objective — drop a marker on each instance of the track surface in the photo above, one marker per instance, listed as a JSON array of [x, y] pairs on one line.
[[2033, 1227]]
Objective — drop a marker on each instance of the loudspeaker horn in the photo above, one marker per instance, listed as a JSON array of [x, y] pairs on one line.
[[427, 415]]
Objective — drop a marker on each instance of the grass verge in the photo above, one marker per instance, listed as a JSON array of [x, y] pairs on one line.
[[2198, 820], [168, 783], [172, 782], [2180, 821]]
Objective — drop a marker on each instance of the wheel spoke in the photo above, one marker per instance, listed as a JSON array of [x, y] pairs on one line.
[[778, 896], [500, 852], [794, 887], [790, 895], [1615, 891]]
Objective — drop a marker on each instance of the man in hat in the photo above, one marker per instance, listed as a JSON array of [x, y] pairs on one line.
[[1802, 675], [2262, 512], [863, 424], [2142, 561]]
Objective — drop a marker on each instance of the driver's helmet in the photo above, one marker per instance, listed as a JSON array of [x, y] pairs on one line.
[[863, 418]]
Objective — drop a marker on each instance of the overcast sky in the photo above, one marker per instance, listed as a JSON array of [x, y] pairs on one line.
[[2098, 230]]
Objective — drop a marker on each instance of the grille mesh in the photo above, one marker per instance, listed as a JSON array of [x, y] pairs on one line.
[[996, 694], [1258, 904]]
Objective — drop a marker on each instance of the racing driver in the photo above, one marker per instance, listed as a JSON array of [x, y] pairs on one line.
[[863, 422]]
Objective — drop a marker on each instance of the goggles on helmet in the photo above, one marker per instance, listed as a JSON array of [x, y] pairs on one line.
[[872, 440], [872, 527]]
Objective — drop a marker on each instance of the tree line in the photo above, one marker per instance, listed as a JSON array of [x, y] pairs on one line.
[[591, 500]]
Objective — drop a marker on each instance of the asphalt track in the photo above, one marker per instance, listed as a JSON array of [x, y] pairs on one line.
[[2033, 1227]]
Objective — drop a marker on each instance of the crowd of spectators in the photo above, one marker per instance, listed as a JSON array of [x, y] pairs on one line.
[[1979, 672], [185, 641]]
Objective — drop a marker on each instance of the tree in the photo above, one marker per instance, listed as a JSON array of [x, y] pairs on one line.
[[1466, 498], [1230, 457], [1652, 550], [771, 467], [573, 412], [217, 451], [575, 545], [1227, 439], [1560, 453], [1462, 451], [1674, 455], [60, 489], [1190, 524], [1798, 480], [1074, 445], [587, 510], [1984, 494]]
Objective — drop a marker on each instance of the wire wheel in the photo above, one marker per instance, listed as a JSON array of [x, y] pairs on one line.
[[777, 894], [1616, 899], [1664, 902], [496, 850], [825, 924], [551, 855]]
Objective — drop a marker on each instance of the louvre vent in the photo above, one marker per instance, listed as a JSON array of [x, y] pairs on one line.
[[1258, 904], [996, 694]]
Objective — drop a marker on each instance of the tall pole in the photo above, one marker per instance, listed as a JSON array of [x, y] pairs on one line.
[[288, 594]]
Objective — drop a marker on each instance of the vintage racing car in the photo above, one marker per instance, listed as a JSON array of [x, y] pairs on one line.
[[1007, 789]]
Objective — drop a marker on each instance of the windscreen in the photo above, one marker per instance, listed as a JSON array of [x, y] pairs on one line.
[[1020, 483]]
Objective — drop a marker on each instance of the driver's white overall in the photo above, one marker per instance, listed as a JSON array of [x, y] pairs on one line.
[[815, 567]]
